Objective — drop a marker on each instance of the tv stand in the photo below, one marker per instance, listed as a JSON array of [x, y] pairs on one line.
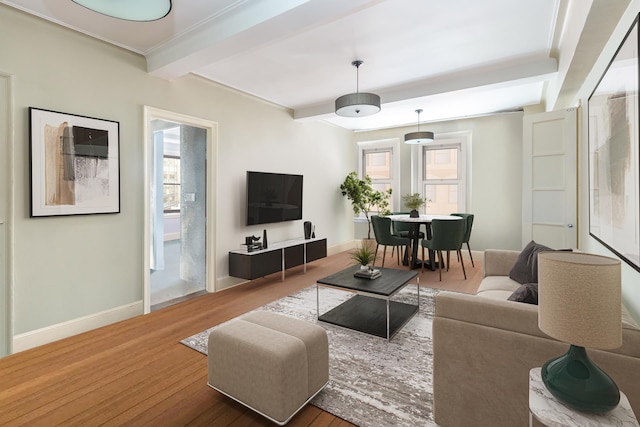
[[278, 256]]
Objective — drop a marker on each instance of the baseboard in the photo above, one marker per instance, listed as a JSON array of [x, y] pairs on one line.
[[69, 328], [341, 247], [228, 282]]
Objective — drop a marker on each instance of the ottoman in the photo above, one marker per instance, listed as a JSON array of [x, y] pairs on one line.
[[271, 363]]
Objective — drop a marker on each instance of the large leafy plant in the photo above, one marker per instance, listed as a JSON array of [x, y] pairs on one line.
[[364, 198]]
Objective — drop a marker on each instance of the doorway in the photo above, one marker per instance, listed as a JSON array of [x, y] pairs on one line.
[[179, 153]]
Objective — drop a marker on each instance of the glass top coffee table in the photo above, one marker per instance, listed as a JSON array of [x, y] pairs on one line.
[[370, 311]]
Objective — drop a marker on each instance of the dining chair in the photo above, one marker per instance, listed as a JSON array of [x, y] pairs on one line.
[[382, 230], [467, 233], [446, 235], [401, 228]]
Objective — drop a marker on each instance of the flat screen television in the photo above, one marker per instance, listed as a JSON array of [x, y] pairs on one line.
[[273, 197]]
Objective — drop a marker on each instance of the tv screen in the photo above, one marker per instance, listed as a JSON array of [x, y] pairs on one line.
[[273, 197]]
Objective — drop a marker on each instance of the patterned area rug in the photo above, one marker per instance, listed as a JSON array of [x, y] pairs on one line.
[[372, 382]]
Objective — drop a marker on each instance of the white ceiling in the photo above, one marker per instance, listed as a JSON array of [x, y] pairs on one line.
[[451, 58]]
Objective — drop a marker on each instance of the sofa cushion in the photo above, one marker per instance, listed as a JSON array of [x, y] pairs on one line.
[[525, 270], [527, 293], [498, 283]]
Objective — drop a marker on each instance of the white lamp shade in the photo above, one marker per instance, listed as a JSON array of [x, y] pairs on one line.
[[130, 10], [359, 104], [579, 298]]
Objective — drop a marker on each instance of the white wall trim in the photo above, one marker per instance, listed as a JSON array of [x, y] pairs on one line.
[[77, 326]]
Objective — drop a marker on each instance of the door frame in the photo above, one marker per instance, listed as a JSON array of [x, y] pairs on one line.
[[7, 222], [150, 114]]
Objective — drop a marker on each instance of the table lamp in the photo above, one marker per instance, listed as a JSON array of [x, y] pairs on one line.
[[579, 299]]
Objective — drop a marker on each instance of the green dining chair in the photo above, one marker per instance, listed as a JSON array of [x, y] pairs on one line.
[[446, 235], [382, 230], [401, 229], [467, 233]]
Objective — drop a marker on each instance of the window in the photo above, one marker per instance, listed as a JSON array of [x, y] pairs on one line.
[[443, 175], [171, 183], [378, 161]]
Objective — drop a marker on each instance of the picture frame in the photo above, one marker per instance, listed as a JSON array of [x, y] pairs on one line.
[[74, 164], [614, 155]]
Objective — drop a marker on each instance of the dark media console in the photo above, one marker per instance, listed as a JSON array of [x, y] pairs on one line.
[[278, 256]]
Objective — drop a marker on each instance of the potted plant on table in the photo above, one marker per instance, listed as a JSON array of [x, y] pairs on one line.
[[364, 198], [364, 255], [413, 202]]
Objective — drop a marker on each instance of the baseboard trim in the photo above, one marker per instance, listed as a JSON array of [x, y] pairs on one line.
[[341, 247], [77, 326]]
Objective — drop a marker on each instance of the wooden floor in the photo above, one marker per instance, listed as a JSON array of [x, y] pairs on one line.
[[137, 373]]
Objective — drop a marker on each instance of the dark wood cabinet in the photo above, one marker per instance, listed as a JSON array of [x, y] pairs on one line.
[[278, 256]]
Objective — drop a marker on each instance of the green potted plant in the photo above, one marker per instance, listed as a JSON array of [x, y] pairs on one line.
[[364, 255], [413, 202], [364, 198]]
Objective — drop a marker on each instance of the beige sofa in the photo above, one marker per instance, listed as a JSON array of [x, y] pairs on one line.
[[485, 345]]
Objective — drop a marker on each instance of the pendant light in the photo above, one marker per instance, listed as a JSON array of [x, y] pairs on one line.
[[357, 104], [130, 10], [418, 137]]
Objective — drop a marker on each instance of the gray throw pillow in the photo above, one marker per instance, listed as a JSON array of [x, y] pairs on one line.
[[525, 270], [527, 293]]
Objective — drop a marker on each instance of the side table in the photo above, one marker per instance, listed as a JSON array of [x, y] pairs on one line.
[[546, 409]]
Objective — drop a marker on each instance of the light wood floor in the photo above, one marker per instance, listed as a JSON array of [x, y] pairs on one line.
[[137, 373]]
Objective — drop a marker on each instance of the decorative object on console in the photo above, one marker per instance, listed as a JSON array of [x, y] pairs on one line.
[[413, 202], [580, 303], [252, 243], [357, 104], [264, 239], [139, 10], [419, 137], [307, 229]]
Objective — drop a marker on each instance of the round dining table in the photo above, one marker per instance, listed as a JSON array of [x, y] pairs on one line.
[[414, 231]]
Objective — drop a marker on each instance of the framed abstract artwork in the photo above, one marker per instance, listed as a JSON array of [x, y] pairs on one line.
[[74, 163], [614, 157]]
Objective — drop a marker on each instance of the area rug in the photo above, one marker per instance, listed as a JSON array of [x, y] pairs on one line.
[[372, 382]]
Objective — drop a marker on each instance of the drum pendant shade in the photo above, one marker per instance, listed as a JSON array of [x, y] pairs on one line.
[[130, 10], [357, 104]]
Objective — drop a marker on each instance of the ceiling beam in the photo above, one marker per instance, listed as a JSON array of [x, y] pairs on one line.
[[516, 72], [237, 29]]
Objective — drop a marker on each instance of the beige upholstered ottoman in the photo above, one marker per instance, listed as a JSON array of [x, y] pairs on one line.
[[271, 363]]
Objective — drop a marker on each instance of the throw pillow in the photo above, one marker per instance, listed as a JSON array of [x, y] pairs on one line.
[[527, 293], [525, 270]]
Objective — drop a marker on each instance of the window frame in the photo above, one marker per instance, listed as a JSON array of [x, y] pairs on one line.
[[392, 145], [164, 183], [462, 144]]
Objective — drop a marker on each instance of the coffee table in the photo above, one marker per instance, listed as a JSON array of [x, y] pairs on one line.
[[370, 311]]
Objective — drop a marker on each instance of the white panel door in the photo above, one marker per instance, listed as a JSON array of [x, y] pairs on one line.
[[549, 178]]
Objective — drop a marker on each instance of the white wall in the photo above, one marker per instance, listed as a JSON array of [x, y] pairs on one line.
[[495, 184], [72, 267], [630, 277]]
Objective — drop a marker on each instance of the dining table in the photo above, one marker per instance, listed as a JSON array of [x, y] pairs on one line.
[[414, 231]]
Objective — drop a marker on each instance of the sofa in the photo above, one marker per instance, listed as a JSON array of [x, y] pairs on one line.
[[484, 346]]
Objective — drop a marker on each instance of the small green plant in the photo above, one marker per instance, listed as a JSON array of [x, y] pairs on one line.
[[414, 201], [364, 254], [364, 198]]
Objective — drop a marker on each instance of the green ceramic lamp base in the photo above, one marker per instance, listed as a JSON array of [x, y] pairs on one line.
[[578, 383]]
